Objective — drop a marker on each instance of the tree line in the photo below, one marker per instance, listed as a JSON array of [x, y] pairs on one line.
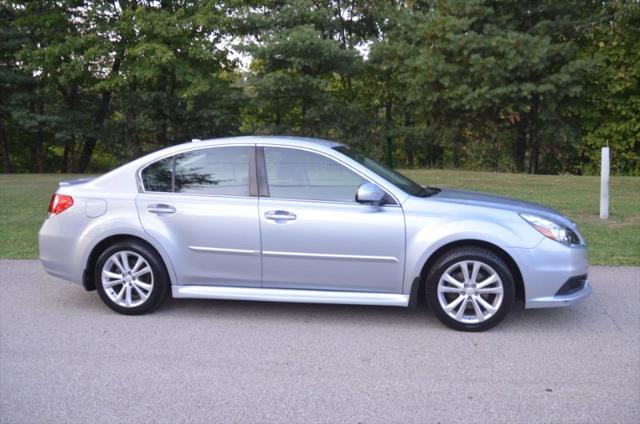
[[534, 86]]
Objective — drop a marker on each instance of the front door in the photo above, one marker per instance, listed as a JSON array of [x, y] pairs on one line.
[[199, 206], [316, 236]]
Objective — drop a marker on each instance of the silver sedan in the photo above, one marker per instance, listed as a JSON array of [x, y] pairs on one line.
[[289, 219]]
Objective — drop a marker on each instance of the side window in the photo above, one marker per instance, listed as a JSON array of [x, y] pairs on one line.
[[157, 176], [215, 171], [298, 174]]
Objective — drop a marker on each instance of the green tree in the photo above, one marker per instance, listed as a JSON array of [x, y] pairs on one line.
[[14, 83], [610, 114], [493, 73], [304, 62]]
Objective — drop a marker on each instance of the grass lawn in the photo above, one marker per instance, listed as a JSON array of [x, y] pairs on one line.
[[24, 200]]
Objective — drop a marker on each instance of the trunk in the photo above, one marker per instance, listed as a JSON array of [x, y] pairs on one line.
[[137, 146], [101, 114], [534, 138], [39, 153], [87, 151], [7, 166], [534, 153], [434, 156], [408, 148], [131, 132], [67, 155], [408, 143], [161, 132], [520, 146], [172, 89], [388, 113]]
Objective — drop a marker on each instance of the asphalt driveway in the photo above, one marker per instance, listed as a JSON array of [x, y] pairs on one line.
[[64, 357]]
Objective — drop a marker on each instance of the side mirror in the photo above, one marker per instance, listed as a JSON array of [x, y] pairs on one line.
[[370, 194]]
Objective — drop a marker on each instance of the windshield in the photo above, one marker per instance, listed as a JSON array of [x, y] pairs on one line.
[[394, 177]]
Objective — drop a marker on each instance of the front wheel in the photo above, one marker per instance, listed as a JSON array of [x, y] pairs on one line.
[[131, 278], [470, 289]]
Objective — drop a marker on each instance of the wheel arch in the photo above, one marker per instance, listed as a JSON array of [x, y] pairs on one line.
[[88, 276], [417, 290]]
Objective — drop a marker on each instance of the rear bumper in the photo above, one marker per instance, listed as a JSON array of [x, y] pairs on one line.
[[57, 244]]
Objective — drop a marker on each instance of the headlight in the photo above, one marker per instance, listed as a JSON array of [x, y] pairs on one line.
[[550, 229]]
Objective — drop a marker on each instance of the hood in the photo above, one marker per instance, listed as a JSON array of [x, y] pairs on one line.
[[499, 202]]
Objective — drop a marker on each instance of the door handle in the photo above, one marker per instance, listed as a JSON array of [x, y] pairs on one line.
[[161, 208], [280, 216]]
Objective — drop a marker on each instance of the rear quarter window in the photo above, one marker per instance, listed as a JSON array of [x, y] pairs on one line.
[[157, 176]]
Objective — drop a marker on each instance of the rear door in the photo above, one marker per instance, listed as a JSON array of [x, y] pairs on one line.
[[202, 207], [316, 236]]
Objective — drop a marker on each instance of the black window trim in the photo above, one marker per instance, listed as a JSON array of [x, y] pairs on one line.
[[263, 185]]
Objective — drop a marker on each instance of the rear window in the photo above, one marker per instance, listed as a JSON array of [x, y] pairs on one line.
[[157, 176]]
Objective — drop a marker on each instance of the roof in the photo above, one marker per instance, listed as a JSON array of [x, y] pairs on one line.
[[273, 139]]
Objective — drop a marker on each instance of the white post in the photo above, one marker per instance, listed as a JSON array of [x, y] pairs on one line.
[[604, 184]]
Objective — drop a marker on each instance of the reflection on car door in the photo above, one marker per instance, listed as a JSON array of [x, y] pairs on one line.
[[202, 212], [314, 234]]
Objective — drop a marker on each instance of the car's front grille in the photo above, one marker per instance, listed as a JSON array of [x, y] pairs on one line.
[[572, 285]]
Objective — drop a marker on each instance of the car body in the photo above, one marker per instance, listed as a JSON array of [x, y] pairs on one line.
[[294, 219]]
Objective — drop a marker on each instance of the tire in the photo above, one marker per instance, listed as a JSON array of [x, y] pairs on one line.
[[485, 291], [131, 278]]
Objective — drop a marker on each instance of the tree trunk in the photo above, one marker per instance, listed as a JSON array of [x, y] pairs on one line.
[[388, 113], [67, 155], [39, 153], [520, 145], [408, 143], [534, 152], [161, 131], [101, 114], [534, 138], [70, 99], [7, 166], [87, 151]]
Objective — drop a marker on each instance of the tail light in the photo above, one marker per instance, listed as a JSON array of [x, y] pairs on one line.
[[60, 203]]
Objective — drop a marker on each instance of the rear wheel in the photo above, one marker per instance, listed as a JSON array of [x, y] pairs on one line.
[[131, 278], [470, 289]]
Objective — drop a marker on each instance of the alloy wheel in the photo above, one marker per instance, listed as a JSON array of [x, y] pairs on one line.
[[127, 279], [470, 291]]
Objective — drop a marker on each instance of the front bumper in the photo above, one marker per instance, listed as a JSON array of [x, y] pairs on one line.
[[547, 268], [560, 300]]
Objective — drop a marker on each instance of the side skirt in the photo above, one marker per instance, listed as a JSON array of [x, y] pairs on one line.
[[286, 295]]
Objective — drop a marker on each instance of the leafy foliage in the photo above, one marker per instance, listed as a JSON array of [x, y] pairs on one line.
[[535, 86]]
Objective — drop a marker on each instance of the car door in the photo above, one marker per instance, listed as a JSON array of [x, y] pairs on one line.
[[316, 236], [202, 207]]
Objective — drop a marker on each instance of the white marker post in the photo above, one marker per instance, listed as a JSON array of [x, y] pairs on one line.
[[604, 184]]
